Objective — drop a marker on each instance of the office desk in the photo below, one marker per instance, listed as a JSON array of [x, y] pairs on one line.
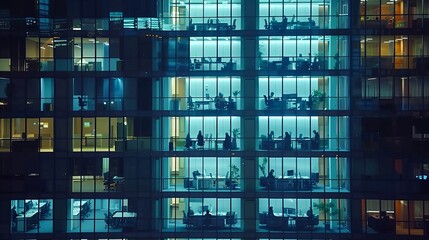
[[274, 144], [124, 219], [208, 182], [82, 206], [26, 221], [293, 183], [382, 225], [93, 140], [215, 220], [204, 103]]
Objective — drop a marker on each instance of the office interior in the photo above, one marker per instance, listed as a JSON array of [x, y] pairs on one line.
[[201, 174], [333, 132], [178, 15], [196, 93], [316, 174], [92, 215], [326, 14], [321, 52], [175, 211], [104, 174], [299, 93], [88, 54], [401, 217], [292, 210], [32, 134], [213, 130], [33, 215]]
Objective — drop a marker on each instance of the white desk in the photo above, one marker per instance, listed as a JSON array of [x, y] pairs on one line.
[[25, 221]]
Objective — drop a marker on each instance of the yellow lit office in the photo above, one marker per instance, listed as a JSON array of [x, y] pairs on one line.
[[31, 216], [198, 93], [104, 134], [315, 174], [201, 174], [403, 217], [190, 214], [303, 93], [100, 215], [183, 133], [315, 133], [27, 134], [304, 215]]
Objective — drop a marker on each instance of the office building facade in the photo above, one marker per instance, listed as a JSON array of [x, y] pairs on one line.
[[166, 119]]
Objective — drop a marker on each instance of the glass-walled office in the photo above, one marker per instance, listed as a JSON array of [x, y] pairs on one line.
[[104, 94], [304, 215], [401, 92], [72, 54], [303, 93], [303, 133], [201, 173], [401, 217], [98, 175], [200, 214], [195, 15], [198, 93], [110, 134], [394, 14], [31, 216], [198, 133], [303, 14], [317, 174], [215, 53], [302, 53], [394, 52], [26, 134], [100, 215]]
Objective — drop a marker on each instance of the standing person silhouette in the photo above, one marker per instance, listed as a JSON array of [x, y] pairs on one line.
[[200, 140]]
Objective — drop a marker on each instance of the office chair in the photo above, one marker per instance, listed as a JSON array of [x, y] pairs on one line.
[[231, 218], [185, 219], [190, 103], [108, 183]]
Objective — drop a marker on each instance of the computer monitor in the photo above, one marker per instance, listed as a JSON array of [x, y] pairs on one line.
[[290, 173], [289, 211], [204, 208]]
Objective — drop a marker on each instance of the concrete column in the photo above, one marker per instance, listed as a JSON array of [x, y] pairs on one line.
[[249, 90], [62, 210]]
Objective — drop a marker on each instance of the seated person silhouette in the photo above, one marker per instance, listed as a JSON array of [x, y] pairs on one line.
[[207, 219]]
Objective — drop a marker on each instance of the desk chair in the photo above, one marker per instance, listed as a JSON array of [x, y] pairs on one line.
[[108, 182], [233, 26], [266, 24], [190, 103], [185, 219], [231, 218]]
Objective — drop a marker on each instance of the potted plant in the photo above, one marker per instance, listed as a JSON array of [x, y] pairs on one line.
[[235, 135], [235, 174], [263, 168], [327, 209], [317, 98]]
